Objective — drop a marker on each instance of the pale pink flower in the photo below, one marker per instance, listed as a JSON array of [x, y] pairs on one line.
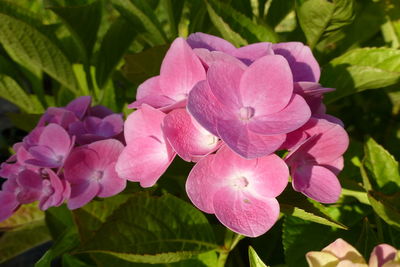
[[240, 192], [250, 109], [91, 172], [384, 255], [147, 154]]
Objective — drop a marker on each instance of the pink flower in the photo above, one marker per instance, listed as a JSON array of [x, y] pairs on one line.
[[8, 205], [180, 71], [250, 109], [147, 154], [52, 147], [247, 54], [316, 159], [384, 255], [91, 172], [187, 137], [301, 60], [240, 192], [94, 129]]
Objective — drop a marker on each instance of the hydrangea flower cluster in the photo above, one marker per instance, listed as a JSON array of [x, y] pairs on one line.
[[341, 253], [63, 159], [229, 110]]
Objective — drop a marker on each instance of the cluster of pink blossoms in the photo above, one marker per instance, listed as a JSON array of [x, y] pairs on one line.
[[229, 110], [69, 156]]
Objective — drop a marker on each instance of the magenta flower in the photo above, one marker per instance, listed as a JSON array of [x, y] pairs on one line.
[[240, 192], [181, 69], [52, 148], [250, 109], [54, 190], [91, 172], [316, 159], [8, 205], [79, 106], [94, 129], [147, 154], [187, 137]]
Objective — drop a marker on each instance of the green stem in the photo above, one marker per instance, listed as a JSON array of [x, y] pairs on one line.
[[379, 228], [230, 242]]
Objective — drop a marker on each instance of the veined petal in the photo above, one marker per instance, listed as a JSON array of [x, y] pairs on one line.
[[82, 193], [247, 143], [210, 42], [243, 213], [110, 183], [185, 138], [317, 182], [252, 52]]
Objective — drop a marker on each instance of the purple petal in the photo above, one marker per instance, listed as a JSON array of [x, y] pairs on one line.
[[301, 60], [79, 106], [210, 42], [83, 193], [252, 52], [8, 205], [99, 111]]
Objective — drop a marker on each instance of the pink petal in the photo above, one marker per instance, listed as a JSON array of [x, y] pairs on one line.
[[335, 166], [32, 139], [292, 117], [143, 123], [111, 184], [244, 213], [149, 87], [247, 143], [209, 57], [181, 69], [60, 116], [267, 85], [210, 42], [185, 138], [144, 160], [202, 183], [204, 107], [224, 80], [252, 52], [343, 250], [329, 118], [381, 254], [330, 143], [8, 205], [44, 156], [80, 105], [317, 182], [82, 193], [80, 165], [301, 60], [30, 184], [55, 137]]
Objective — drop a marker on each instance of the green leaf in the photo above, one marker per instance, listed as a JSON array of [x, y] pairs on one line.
[[295, 204], [83, 22], [141, 66], [320, 18], [65, 243], [143, 19], [58, 219], [23, 121], [387, 207], [72, 261], [153, 230], [111, 52], [28, 44], [255, 260], [278, 11], [384, 169], [236, 27], [11, 91], [90, 217], [15, 242], [26, 214], [361, 69]]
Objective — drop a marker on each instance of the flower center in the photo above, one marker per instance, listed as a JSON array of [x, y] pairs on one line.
[[240, 182], [246, 113], [97, 175]]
